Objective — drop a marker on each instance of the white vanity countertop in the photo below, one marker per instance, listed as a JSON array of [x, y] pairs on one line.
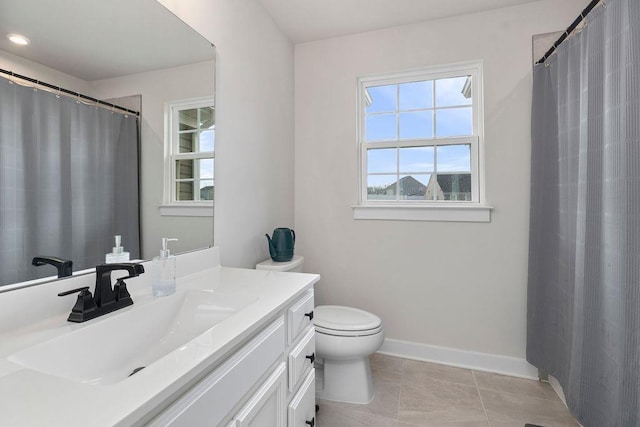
[[31, 398]]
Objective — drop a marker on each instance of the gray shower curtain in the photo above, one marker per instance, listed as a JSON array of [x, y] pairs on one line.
[[584, 258], [68, 181]]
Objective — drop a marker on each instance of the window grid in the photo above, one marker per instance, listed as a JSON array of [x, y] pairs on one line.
[[471, 140]]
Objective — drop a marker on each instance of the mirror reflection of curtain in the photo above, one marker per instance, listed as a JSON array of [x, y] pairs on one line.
[[68, 181], [583, 325]]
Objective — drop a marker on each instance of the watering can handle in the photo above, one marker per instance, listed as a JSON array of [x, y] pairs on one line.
[[294, 235]]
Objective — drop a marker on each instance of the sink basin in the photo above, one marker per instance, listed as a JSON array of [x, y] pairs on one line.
[[109, 350]]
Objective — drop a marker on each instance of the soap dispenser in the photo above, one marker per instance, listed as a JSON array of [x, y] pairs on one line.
[[163, 271], [118, 255]]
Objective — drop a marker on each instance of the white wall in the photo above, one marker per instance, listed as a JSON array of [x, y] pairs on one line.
[[456, 285], [157, 88], [18, 65], [254, 123]]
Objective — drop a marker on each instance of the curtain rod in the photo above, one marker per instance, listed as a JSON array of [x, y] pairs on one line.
[[569, 30], [68, 92]]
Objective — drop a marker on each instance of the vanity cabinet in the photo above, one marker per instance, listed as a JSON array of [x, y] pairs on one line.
[[268, 382]]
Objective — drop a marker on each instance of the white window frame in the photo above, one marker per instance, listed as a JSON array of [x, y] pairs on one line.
[[171, 206], [477, 209]]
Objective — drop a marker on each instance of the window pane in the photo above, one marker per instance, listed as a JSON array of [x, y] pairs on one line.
[[454, 158], [413, 187], [454, 122], [184, 190], [381, 187], [416, 95], [381, 127], [383, 99], [207, 118], [453, 91], [188, 119], [184, 169], [416, 159], [206, 168], [417, 124], [455, 187], [382, 160], [206, 189], [188, 142], [207, 140]]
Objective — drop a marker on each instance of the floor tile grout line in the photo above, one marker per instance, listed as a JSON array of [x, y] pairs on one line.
[[473, 374]]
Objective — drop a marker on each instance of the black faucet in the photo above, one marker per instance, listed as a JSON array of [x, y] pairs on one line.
[[64, 266], [106, 298]]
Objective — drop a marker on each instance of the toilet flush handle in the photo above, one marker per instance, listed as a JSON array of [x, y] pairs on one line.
[[311, 423], [309, 315]]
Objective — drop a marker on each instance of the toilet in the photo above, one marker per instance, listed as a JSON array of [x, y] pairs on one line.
[[345, 338]]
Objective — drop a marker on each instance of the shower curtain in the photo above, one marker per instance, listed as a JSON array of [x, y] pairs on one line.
[[68, 181], [584, 258]]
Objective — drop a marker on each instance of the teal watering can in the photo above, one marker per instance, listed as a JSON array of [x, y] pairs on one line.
[[281, 244]]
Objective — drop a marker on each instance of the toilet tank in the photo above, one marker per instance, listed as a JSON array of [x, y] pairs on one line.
[[294, 265]]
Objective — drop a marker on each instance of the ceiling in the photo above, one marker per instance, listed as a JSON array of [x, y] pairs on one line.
[[98, 39], [308, 20]]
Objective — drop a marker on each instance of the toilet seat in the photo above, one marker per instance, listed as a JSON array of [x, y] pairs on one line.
[[345, 321]]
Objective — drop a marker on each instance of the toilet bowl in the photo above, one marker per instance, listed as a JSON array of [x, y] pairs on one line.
[[345, 338]]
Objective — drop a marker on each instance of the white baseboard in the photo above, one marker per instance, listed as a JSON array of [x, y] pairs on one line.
[[512, 366]]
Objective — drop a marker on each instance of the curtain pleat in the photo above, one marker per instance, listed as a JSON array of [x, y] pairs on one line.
[[584, 263], [68, 181]]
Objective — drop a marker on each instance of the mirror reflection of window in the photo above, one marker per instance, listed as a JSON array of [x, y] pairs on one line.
[[192, 151]]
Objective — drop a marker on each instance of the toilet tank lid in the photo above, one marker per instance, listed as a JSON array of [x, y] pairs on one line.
[[272, 265], [341, 318]]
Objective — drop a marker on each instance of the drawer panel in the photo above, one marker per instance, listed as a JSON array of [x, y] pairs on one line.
[[301, 358], [302, 409], [209, 402], [299, 316]]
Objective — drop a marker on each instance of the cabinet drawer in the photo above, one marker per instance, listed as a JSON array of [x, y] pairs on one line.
[[301, 358], [209, 402], [302, 409], [300, 315]]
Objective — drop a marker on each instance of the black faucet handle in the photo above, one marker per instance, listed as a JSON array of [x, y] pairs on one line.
[[120, 289], [73, 291], [64, 266], [84, 304]]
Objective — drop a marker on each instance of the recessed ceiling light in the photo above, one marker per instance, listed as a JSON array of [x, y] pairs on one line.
[[18, 39]]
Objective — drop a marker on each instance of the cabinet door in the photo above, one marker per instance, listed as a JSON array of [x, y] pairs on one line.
[[266, 408], [302, 409]]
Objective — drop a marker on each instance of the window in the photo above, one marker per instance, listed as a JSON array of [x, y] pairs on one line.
[[189, 158], [420, 141]]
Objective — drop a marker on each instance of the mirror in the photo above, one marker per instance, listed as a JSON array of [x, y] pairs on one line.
[[134, 54]]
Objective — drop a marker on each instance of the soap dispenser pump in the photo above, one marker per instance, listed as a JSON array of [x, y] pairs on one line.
[[164, 271]]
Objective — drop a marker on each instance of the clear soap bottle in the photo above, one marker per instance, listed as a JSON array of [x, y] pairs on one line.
[[118, 255], [163, 276]]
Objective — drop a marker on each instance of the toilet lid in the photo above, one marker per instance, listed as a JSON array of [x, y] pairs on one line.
[[344, 319]]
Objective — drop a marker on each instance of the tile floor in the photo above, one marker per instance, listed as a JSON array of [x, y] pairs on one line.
[[409, 393]]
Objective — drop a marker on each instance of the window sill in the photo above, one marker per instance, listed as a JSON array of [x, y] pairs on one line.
[[186, 210], [449, 212]]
